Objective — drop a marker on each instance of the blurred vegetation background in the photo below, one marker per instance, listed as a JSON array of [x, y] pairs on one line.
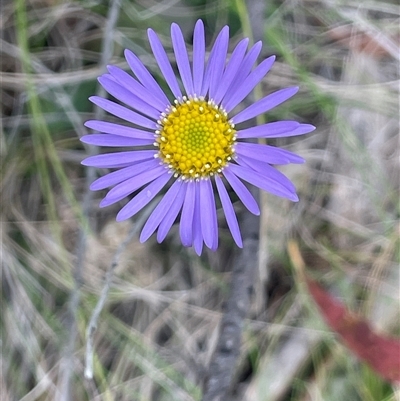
[[158, 329]]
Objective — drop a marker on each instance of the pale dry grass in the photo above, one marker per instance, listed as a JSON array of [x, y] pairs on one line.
[[159, 326]]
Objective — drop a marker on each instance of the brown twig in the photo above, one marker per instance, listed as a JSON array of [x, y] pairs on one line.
[[223, 363]]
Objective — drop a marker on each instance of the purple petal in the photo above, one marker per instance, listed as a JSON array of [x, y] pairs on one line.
[[171, 214], [116, 129], [136, 88], [108, 160], [208, 214], [217, 63], [122, 112], [231, 70], [186, 224], [114, 140], [269, 130], [261, 181], [160, 211], [244, 69], [214, 246], [197, 235], [182, 59], [198, 56], [127, 97], [222, 37], [123, 174], [248, 84], [130, 185], [144, 76], [229, 212], [267, 170], [163, 63], [241, 191], [265, 104], [143, 197], [267, 154], [301, 130]]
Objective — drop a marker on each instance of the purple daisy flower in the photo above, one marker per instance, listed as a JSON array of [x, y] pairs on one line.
[[193, 141]]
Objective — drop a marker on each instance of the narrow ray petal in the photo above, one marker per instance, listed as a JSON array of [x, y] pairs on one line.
[[182, 59], [265, 104], [143, 197], [108, 160], [269, 130], [208, 213], [160, 211], [186, 224], [231, 70], [123, 113], [114, 140], [144, 76], [117, 129], [268, 154], [230, 214], [130, 185], [249, 84], [198, 56], [127, 97], [171, 214], [197, 235], [163, 63], [214, 245], [267, 170], [244, 69], [241, 191], [217, 63], [262, 182], [123, 174], [222, 37], [300, 130], [130, 83]]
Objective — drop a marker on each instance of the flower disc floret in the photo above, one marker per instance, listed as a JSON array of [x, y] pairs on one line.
[[195, 138]]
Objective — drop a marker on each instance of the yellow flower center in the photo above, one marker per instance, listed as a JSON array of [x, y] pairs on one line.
[[195, 138]]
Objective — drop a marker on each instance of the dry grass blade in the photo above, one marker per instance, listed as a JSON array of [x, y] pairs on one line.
[[158, 332]]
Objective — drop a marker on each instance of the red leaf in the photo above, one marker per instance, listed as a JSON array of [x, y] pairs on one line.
[[381, 353]]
